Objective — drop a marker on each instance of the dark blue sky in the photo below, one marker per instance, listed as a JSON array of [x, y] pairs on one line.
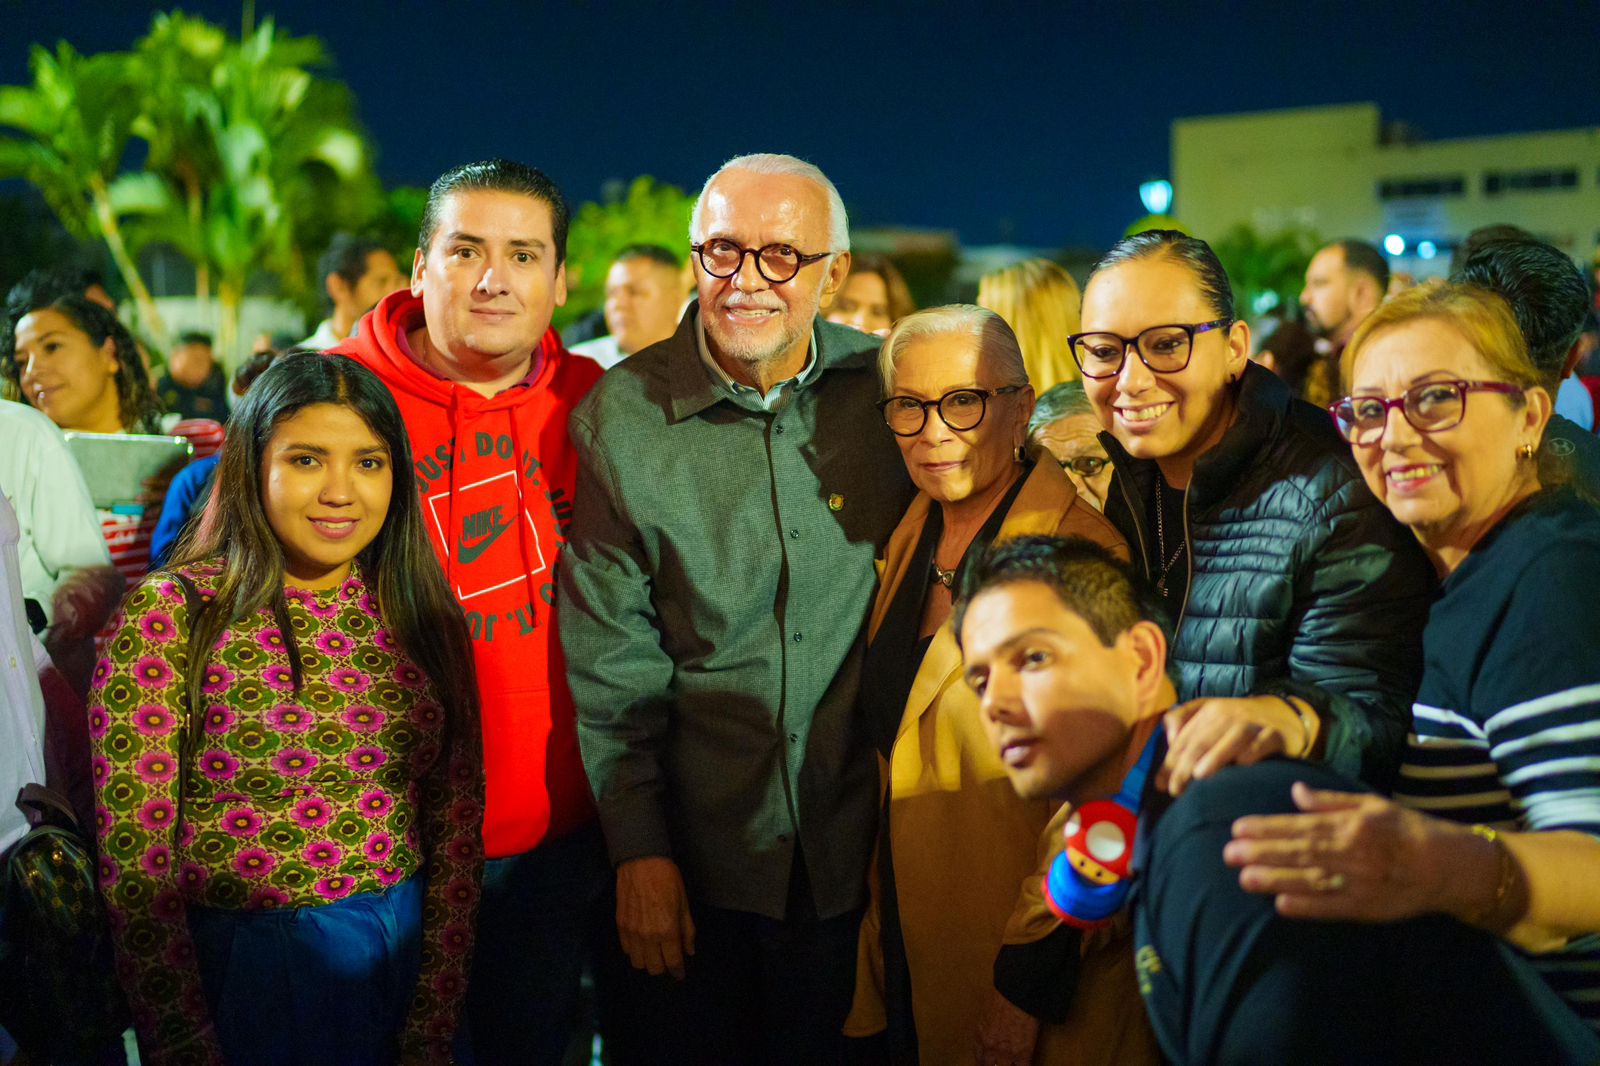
[[1028, 122]]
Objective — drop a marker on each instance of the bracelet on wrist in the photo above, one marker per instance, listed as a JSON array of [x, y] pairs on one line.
[[1492, 913]]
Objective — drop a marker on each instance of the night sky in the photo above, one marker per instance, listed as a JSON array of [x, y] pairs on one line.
[[1031, 123]]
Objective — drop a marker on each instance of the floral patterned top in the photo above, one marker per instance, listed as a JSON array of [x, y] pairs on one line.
[[292, 800]]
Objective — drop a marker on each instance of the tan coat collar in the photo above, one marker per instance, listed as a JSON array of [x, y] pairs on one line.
[[1040, 508]]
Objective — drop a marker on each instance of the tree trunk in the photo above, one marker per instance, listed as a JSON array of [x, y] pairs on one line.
[[196, 205], [230, 295], [111, 231]]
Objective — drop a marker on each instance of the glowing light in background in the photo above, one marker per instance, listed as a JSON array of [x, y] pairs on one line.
[[1156, 195]]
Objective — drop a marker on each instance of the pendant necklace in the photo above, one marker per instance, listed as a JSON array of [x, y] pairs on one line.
[[1161, 542]]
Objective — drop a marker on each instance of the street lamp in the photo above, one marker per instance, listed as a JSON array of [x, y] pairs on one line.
[[1156, 195]]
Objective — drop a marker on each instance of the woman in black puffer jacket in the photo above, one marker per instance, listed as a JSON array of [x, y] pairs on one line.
[[1299, 602]]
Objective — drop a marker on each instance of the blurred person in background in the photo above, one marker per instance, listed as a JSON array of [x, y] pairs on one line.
[[68, 584], [1298, 600], [41, 287], [77, 364], [1065, 425], [1289, 351], [873, 298], [1345, 282], [962, 969], [193, 385], [1550, 302], [257, 363], [1040, 301], [356, 273], [645, 293]]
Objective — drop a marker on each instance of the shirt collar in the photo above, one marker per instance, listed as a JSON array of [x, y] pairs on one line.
[[744, 396]]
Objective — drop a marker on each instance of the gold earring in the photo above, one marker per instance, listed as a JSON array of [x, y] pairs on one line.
[[1525, 452], [1020, 454]]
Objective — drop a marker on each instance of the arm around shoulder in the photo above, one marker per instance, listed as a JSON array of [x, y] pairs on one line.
[[1362, 600]]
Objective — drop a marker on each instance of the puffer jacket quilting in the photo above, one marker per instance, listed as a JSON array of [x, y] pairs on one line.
[[1302, 583]]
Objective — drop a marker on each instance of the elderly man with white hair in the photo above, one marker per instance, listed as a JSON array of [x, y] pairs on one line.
[[735, 484]]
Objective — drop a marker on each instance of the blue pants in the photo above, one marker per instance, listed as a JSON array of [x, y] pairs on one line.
[[328, 984]]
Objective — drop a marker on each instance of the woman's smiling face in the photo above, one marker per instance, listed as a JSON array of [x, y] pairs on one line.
[[1450, 485], [66, 375], [1171, 418]]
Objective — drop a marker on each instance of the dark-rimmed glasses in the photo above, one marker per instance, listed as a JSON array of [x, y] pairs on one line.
[[1429, 407], [1086, 466], [961, 409], [1164, 349], [778, 263]]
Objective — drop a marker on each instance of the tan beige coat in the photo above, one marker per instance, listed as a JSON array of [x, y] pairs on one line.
[[969, 855]]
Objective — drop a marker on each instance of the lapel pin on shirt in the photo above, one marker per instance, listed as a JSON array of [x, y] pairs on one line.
[[836, 502]]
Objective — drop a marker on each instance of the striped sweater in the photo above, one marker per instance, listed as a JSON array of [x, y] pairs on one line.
[[1506, 728]]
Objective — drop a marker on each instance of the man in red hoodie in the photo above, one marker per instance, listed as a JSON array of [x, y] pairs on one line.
[[485, 387]]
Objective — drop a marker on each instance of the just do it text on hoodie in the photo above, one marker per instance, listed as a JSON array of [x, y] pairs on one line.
[[495, 475]]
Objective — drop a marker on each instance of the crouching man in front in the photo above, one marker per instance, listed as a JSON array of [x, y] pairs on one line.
[[1067, 650]]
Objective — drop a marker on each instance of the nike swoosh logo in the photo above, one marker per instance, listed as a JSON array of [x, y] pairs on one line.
[[468, 553]]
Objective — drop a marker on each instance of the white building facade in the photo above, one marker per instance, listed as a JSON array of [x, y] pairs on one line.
[[1339, 171]]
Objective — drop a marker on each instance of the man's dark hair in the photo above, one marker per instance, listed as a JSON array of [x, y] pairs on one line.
[[42, 287], [347, 257], [1548, 296], [653, 252], [1363, 257], [194, 336], [1091, 582], [1192, 252], [497, 175], [1500, 231]]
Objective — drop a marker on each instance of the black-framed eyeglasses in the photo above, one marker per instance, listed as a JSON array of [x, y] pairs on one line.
[[1086, 465], [1164, 349], [1430, 407], [961, 409], [778, 263]]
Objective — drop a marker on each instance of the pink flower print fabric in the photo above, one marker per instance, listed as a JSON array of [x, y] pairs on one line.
[[293, 799]]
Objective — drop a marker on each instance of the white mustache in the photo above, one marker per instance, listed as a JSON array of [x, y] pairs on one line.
[[752, 302]]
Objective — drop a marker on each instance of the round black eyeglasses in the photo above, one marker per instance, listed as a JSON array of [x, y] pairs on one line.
[[778, 263], [961, 409]]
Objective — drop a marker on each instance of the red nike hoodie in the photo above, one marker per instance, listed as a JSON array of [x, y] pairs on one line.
[[496, 479]]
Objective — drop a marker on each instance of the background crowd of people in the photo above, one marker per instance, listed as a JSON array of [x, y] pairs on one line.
[[750, 683]]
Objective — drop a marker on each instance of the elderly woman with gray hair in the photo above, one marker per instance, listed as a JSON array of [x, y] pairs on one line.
[[961, 960]]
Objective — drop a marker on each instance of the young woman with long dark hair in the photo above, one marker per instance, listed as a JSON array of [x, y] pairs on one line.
[[287, 754]]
